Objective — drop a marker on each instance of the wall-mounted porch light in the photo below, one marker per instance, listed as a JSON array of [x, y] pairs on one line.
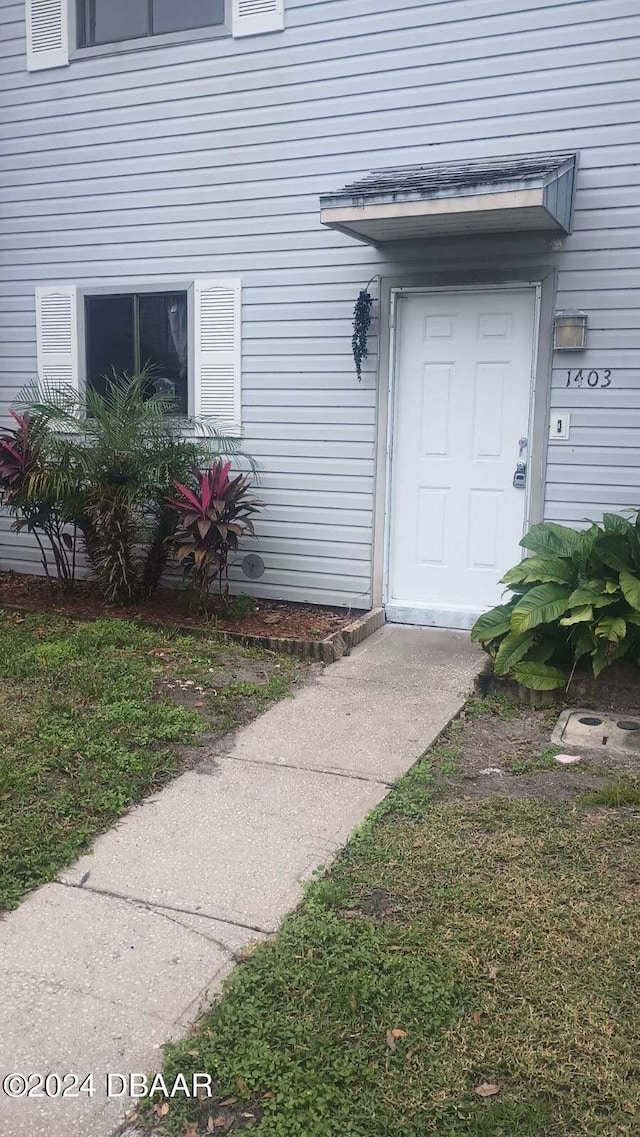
[[570, 330]]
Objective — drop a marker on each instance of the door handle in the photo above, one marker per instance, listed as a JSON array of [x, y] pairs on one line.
[[520, 476]]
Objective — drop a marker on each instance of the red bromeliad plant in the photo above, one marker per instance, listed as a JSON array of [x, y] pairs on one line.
[[211, 521], [21, 458], [18, 455]]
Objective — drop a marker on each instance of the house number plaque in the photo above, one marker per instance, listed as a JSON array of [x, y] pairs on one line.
[[584, 378]]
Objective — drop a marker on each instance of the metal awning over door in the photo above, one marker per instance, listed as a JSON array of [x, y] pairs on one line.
[[492, 195]]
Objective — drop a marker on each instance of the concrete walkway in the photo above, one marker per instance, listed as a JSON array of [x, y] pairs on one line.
[[99, 969]]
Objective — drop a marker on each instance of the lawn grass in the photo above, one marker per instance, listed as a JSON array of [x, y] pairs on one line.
[[455, 945], [622, 791], [83, 733]]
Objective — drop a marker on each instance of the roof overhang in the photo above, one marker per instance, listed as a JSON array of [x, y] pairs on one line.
[[497, 195]]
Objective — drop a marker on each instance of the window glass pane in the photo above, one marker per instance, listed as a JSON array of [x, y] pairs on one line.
[[163, 344], [180, 15], [110, 338], [107, 21]]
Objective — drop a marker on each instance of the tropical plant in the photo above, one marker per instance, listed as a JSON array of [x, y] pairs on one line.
[[210, 523], [22, 452], [18, 454], [108, 460], [576, 599]]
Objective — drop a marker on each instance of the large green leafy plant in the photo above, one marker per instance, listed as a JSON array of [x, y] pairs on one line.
[[105, 464], [577, 599]]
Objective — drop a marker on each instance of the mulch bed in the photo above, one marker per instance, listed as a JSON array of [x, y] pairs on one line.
[[272, 618]]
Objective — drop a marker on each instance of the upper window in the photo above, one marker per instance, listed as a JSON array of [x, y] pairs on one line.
[[132, 333], [111, 21]]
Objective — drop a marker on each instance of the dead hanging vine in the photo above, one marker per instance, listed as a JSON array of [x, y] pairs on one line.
[[361, 325]]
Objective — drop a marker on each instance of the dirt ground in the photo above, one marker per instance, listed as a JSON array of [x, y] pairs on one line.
[[174, 606], [505, 748], [228, 688]]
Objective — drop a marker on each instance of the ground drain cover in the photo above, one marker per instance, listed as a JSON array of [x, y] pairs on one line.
[[593, 730]]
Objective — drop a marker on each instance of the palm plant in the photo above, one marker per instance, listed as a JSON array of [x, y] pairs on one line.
[[110, 459]]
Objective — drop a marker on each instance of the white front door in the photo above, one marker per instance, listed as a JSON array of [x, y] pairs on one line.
[[461, 420]]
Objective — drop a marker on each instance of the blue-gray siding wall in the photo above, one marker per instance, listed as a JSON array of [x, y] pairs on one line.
[[209, 157]]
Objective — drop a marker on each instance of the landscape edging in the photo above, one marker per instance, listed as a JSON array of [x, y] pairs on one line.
[[584, 690], [327, 650]]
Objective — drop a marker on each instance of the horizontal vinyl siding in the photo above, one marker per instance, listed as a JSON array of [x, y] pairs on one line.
[[209, 157]]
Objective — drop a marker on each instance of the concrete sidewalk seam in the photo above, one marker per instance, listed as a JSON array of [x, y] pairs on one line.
[[149, 906], [174, 920], [303, 769]]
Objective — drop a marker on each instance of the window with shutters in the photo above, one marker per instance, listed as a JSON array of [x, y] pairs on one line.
[[131, 333], [112, 21], [99, 26], [187, 338]]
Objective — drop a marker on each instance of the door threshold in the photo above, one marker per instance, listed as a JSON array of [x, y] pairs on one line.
[[456, 619]]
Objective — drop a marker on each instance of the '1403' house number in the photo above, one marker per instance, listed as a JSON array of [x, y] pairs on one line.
[[583, 378]]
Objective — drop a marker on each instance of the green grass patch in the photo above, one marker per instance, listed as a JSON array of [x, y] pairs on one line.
[[453, 944], [545, 761], [624, 791], [83, 733], [495, 705]]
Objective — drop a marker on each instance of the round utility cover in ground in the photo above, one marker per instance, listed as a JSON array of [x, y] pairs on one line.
[[253, 566], [598, 730]]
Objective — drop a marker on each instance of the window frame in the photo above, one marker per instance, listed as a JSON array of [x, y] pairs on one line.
[[132, 288], [141, 43]]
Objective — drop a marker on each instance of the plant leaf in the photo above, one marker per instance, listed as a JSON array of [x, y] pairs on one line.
[[551, 539], [578, 616], [541, 570], [492, 624], [614, 552], [599, 658], [593, 593], [487, 1090], [542, 652], [539, 676], [614, 523], [630, 586], [512, 649], [190, 498], [583, 643], [612, 628], [542, 605]]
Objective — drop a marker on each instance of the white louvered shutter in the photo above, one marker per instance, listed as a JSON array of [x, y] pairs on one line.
[[218, 352], [57, 336], [253, 17], [47, 34]]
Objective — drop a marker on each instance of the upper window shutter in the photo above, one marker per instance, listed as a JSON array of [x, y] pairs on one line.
[[252, 17], [47, 34], [218, 351], [57, 335]]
